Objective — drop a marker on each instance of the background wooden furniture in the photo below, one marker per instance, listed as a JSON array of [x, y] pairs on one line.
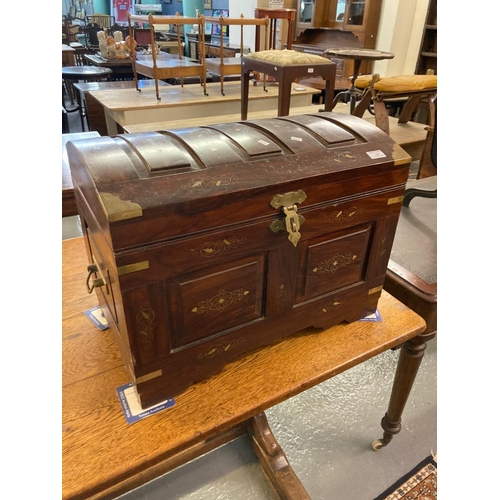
[[121, 68], [358, 56], [94, 112], [174, 66], [412, 270], [285, 75], [71, 74], [128, 107], [205, 416], [223, 65], [336, 24], [427, 56], [68, 193], [274, 15], [68, 55]]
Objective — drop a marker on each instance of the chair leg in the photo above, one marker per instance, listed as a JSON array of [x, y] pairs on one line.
[[363, 104], [409, 108], [381, 116]]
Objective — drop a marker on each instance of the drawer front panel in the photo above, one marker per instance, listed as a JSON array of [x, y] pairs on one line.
[[206, 305], [333, 263]]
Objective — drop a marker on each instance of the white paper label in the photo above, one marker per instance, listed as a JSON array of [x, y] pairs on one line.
[[296, 139], [376, 154], [310, 70]]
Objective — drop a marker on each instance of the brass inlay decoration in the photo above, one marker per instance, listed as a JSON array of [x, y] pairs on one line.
[[221, 348], [345, 215], [335, 263], [375, 290], [117, 209], [280, 299], [132, 268], [328, 307], [148, 376], [212, 248], [345, 156], [220, 301], [210, 182], [396, 199], [145, 321]]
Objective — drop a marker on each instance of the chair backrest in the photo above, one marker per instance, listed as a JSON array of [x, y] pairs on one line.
[[91, 31], [103, 20], [241, 22], [177, 21]]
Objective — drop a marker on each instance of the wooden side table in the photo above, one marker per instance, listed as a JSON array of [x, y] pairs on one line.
[[208, 414], [357, 55], [72, 74]]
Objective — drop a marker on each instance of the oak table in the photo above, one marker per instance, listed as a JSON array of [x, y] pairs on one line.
[[94, 112], [104, 457], [130, 107]]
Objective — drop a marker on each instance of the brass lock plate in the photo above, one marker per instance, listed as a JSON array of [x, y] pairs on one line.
[[291, 223]]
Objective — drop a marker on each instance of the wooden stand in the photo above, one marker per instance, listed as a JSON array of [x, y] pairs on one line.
[[208, 414]]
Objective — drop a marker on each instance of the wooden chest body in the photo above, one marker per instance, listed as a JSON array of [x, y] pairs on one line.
[[188, 231]]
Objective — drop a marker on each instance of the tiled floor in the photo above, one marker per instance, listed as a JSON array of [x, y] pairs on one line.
[[326, 433]]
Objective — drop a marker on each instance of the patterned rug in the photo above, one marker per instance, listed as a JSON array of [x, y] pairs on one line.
[[419, 484]]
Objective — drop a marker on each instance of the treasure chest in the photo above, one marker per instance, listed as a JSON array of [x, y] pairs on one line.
[[205, 243]]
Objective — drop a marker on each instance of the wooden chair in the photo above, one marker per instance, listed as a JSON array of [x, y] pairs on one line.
[[224, 66], [164, 66], [103, 20], [377, 91], [412, 269]]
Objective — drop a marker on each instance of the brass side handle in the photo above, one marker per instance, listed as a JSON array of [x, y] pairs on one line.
[[96, 282]]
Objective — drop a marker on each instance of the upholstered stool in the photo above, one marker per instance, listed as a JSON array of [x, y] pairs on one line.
[[377, 90], [286, 66]]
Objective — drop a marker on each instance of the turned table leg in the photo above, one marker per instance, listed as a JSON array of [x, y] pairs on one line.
[[273, 460], [410, 358]]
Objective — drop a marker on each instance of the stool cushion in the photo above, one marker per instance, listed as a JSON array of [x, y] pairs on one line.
[[288, 57], [403, 83], [363, 81]]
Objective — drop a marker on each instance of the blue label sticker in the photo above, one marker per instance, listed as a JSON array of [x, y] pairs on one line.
[[131, 407], [96, 315], [375, 317]]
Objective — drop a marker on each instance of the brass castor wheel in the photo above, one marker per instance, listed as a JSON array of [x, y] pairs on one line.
[[376, 445]]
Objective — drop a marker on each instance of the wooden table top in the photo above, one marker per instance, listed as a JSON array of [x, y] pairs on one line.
[[188, 95], [101, 453], [360, 54], [97, 60], [85, 72]]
